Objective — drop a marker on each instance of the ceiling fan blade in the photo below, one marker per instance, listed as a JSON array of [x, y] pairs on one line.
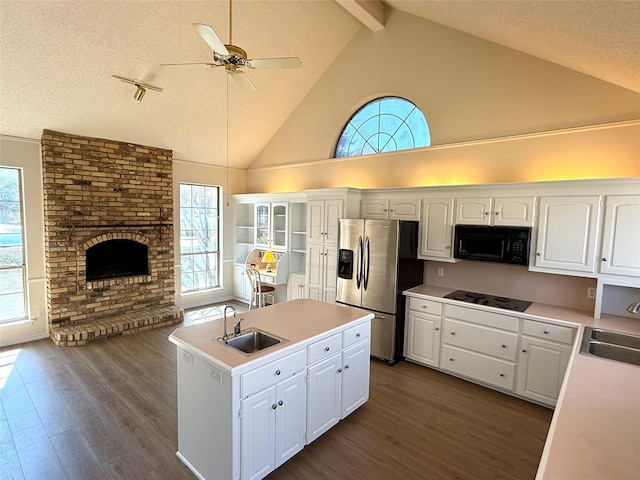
[[242, 80], [284, 62], [212, 39], [189, 64]]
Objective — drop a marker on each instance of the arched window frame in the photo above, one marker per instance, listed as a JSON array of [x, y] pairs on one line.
[[373, 129]]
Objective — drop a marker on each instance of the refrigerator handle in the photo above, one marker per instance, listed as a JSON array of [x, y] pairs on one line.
[[359, 264], [365, 263]]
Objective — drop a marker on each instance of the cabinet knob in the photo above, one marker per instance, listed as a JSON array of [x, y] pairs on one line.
[[503, 346], [538, 254], [486, 213], [453, 333], [447, 247], [604, 259], [451, 359], [280, 402], [497, 213], [278, 372], [274, 406], [326, 349], [502, 374], [357, 335], [339, 370], [546, 332], [524, 350], [437, 328], [346, 366]]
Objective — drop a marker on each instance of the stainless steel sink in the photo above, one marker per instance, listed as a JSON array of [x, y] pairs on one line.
[[618, 347], [252, 341]]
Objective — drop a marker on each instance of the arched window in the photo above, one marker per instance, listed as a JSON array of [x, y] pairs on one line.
[[384, 125]]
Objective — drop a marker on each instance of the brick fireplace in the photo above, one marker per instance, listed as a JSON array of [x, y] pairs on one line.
[[109, 248]]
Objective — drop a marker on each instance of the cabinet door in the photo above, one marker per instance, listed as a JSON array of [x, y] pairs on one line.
[[436, 225], [295, 287], [473, 211], [513, 211], [404, 209], [541, 369], [241, 287], [423, 338], [375, 208], [332, 213], [258, 434], [263, 225], [621, 240], [355, 377], [323, 396], [279, 224], [291, 401], [315, 221], [330, 264], [567, 233], [315, 267]]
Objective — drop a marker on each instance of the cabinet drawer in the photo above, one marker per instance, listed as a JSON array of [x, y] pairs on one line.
[[489, 319], [355, 334], [479, 367], [428, 306], [548, 331], [271, 373], [485, 340], [324, 348]]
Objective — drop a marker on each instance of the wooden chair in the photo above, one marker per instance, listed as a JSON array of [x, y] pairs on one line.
[[259, 291]]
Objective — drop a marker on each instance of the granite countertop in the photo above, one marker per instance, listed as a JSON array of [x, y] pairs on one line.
[[296, 321], [595, 430]]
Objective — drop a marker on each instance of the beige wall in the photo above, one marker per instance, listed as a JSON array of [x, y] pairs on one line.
[[495, 115]]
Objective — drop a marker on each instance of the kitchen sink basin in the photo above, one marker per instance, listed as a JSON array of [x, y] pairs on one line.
[[618, 347], [252, 341]]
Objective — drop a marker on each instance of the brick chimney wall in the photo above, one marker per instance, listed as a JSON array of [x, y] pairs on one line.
[[95, 190]]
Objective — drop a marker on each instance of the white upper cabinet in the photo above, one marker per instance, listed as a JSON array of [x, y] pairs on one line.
[[567, 233], [621, 237], [436, 229], [391, 208], [503, 211], [322, 220], [271, 223]]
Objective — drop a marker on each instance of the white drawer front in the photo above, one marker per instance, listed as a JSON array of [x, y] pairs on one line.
[[479, 367], [548, 331], [272, 372], [427, 306], [490, 319], [355, 334], [324, 348], [486, 340]]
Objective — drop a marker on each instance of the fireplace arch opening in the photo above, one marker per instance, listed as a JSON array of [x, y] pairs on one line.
[[115, 259]]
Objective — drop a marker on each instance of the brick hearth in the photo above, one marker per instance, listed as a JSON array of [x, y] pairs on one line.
[[98, 190]]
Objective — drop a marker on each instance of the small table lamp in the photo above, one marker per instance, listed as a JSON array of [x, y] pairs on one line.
[[267, 258]]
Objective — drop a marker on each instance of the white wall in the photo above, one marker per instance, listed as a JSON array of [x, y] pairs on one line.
[[471, 91], [25, 155]]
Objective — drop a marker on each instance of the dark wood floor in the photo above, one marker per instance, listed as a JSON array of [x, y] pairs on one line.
[[108, 411]]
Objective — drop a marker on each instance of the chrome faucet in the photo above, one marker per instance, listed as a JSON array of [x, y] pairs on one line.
[[634, 308], [224, 321]]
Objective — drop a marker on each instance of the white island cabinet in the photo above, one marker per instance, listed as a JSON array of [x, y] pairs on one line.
[[240, 416]]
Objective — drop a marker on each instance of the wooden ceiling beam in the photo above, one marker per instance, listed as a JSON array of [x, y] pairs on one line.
[[369, 12]]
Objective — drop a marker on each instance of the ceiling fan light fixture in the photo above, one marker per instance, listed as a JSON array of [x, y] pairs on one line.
[[140, 91]]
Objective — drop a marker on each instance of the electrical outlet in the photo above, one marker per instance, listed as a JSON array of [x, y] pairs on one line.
[[40, 312], [591, 292], [216, 375], [187, 357], [440, 271]]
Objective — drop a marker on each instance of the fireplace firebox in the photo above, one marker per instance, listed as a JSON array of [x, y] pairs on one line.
[[115, 259]]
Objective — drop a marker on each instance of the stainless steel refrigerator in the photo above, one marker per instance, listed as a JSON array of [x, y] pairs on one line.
[[377, 261]]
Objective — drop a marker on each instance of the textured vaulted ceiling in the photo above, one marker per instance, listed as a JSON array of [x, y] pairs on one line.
[[57, 59]]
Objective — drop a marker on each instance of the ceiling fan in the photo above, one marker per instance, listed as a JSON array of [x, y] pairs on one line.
[[234, 58]]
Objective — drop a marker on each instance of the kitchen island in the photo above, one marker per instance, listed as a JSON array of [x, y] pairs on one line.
[[241, 415]]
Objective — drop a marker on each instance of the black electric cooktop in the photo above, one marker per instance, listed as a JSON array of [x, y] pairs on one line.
[[489, 300]]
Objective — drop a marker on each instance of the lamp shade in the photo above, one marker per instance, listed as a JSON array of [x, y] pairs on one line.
[[268, 257]]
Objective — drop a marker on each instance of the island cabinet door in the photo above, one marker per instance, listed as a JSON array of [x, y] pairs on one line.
[[291, 414], [323, 399], [355, 377], [258, 434]]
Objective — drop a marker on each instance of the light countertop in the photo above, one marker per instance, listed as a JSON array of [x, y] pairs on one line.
[[595, 430], [296, 321]]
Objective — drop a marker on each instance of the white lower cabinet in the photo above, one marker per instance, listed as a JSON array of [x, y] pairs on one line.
[[422, 340], [513, 354], [543, 361], [272, 426], [338, 380], [241, 285]]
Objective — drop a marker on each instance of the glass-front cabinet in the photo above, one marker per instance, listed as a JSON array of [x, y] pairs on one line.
[[271, 225]]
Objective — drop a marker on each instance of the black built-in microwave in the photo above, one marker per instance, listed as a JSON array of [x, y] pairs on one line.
[[492, 244]]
